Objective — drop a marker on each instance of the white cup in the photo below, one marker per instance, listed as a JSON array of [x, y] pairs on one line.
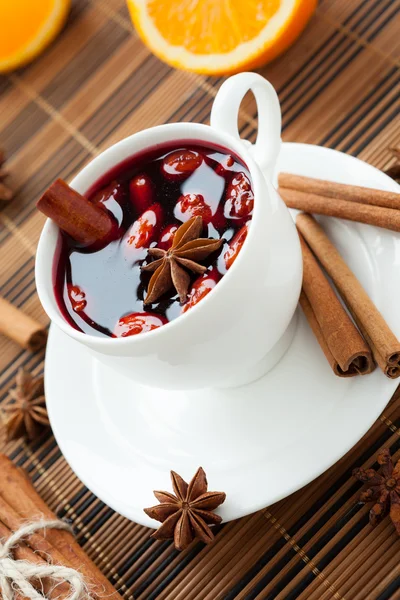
[[242, 328]]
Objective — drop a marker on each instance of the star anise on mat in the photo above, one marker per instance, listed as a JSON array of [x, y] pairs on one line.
[[25, 413], [394, 170], [187, 514], [383, 489], [5, 192], [170, 269]]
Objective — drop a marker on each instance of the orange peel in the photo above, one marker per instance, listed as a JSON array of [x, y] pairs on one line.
[[27, 27], [217, 37]]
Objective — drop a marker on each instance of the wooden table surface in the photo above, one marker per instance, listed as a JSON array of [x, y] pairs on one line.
[[339, 87]]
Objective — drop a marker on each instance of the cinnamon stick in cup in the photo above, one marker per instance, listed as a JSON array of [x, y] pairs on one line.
[[84, 221], [21, 328], [17, 491], [382, 341], [388, 218], [345, 349], [339, 191]]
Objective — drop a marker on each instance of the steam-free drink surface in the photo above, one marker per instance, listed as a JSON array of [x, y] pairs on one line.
[[101, 291]]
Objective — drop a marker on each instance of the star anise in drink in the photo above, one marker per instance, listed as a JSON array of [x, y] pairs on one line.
[[171, 267], [383, 489], [188, 513], [24, 413]]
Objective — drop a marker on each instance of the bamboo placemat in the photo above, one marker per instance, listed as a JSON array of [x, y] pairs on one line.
[[339, 87]]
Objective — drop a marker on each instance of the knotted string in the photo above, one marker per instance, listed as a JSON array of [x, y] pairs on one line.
[[15, 575]]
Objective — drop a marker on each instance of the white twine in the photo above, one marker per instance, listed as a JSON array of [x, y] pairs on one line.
[[15, 574]]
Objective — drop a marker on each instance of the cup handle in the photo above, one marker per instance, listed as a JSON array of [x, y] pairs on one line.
[[225, 110]]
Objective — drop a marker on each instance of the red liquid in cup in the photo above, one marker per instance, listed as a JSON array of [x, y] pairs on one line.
[[101, 291]]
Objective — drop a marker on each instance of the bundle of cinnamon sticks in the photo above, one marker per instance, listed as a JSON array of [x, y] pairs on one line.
[[351, 346], [19, 503]]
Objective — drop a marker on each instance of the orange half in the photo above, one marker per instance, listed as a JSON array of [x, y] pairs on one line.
[[27, 27], [219, 36]]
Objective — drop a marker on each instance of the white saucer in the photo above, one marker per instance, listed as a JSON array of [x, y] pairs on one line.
[[257, 443]]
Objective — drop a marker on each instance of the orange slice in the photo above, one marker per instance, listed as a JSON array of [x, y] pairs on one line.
[[27, 27], [219, 36]]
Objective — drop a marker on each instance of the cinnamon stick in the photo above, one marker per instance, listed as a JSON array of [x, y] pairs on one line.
[[21, 328], [340, 340], [17, 491], [339, 191], [39, 543], [24, 552], [85, 222], [388, 218], [20, 552], [382, 341]]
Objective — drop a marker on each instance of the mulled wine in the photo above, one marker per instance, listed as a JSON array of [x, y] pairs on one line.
[[150, 239]]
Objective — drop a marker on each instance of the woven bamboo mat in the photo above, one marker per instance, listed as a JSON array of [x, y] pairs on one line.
[[339, 87]]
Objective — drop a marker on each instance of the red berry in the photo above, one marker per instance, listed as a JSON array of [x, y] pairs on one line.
[[192, 205], [167, 237], [77, 297], [239, 197], [179, 164], [235, 246], [200, 288], [112, 190], [225, 165], [141, 192], [138, 323], [145, 228]]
